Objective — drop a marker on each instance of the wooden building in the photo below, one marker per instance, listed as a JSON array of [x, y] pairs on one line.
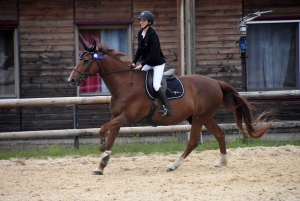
[[45, 42]]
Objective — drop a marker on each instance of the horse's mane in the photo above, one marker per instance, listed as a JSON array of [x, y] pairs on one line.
[[112, 52]]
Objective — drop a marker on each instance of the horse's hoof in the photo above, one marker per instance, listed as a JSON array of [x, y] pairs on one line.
[[169, 169], [98, 172]]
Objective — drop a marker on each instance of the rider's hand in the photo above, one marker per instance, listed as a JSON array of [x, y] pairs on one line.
[[132, 65], [138, 67]]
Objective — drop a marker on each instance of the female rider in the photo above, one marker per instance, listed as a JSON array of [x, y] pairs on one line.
[[152, 57]]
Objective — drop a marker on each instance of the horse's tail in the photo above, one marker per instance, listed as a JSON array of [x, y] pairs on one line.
[[242, 112]]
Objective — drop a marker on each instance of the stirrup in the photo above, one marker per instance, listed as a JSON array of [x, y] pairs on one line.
[[165, 111]]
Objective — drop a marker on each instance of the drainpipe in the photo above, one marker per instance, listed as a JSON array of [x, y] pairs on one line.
[[190, 37], [180, 37]]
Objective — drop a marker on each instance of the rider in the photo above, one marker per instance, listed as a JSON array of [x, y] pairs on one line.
[[152, 57]]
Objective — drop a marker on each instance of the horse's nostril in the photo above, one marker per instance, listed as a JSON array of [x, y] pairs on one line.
[[71, 80]]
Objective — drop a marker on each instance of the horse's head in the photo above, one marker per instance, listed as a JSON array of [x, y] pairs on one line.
[[87, 65]]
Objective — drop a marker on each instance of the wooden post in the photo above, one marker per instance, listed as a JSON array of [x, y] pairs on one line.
[[76, 142]]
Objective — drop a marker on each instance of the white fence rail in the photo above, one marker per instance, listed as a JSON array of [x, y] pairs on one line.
[[8, 103], [12, 103], [124, 130]]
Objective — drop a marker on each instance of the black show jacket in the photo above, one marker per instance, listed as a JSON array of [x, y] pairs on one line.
[[149, 49]]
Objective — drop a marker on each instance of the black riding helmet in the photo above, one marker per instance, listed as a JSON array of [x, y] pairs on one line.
[[147, 15]]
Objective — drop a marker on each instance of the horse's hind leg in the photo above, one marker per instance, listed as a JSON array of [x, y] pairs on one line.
[[191, 145], [219, 134]]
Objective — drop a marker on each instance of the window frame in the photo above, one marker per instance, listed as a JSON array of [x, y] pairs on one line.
[[16, 63], [80, 26], [297, 87]]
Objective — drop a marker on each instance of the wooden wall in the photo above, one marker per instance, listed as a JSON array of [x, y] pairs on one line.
[[9, 10], [283, 109], [46, 38], [286, 8], [216, 34], [104, 10], [165, 13], [94, 116], [9, 117]]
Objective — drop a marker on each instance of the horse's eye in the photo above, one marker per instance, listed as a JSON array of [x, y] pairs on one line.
[[85, 61]]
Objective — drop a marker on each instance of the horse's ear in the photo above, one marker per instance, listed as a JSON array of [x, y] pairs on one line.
[[84, 45], [93, 47]]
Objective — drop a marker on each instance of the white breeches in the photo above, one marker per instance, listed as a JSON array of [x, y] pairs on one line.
[[157, 74]]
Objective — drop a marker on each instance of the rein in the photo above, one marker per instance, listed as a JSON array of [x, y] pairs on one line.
[[120, 71]]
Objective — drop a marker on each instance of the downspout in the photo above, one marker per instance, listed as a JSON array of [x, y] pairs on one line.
[[190, 37], [180, 37], [75, 109]]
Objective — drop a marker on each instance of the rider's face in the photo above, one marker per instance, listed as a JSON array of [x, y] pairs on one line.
[[143, 23]]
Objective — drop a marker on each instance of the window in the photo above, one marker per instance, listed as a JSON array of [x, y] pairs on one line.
[[273, 55], [8, 63], [115, 36]]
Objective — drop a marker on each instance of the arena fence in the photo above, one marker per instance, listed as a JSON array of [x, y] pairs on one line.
[[124, 130], [11, 103]]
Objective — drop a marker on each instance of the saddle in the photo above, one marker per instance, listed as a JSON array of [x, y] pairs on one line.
[[170, 84]]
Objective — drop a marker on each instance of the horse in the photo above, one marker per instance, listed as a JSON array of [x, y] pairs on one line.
[[130, 103]]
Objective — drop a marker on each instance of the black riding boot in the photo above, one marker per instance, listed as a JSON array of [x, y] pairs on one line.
[[166, 107]]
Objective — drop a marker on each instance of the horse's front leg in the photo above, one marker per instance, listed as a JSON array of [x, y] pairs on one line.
[[114, 128], [105, 148]]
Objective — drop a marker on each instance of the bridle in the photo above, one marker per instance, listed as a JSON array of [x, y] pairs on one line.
[[85, 74]]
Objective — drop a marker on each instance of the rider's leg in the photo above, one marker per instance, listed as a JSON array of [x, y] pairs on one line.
[[157, 76], [146, 68], [166, 110]]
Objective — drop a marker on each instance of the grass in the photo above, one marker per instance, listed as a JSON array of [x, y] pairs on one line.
[[136, 148]]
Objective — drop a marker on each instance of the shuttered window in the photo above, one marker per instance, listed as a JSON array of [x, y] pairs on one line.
[[9, 81], [273, 55]]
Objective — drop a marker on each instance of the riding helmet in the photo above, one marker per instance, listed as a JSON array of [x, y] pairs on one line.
[[147, 15]]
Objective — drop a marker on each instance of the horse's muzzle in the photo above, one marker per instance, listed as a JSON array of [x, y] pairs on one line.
[[73, 82]]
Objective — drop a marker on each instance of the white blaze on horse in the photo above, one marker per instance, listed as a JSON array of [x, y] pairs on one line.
[[131, 104]]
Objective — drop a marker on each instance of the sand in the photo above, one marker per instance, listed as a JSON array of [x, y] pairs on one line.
[[257, 173]]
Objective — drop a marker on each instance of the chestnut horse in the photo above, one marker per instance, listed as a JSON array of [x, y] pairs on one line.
[[130, 103]]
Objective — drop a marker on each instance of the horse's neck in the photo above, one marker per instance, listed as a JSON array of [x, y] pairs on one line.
[[113, 82], [116, 77]]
